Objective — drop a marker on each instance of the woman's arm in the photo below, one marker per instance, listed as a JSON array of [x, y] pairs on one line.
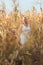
[[19, 30]]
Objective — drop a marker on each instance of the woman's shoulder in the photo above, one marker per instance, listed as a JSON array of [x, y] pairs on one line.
[[28, 26]]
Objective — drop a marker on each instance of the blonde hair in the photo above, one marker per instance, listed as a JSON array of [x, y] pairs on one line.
[[26, 21]]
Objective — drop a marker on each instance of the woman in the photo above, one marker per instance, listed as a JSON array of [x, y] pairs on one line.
[[25, 31]]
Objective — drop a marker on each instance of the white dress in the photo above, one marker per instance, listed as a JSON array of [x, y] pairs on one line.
[[25, 31]]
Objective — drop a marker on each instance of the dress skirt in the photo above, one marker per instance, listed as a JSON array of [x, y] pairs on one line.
[[22, 38]]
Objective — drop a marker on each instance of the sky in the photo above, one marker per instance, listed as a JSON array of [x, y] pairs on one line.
[[23, 5]]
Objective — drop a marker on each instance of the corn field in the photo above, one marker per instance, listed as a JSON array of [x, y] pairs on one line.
[[11, 52]]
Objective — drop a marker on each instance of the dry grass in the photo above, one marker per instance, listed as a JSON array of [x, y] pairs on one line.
[[10, 50]]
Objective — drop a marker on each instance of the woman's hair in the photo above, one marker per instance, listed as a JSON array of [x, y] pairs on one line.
[[26, 20]]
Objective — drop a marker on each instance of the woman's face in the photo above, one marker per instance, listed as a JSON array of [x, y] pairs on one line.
[[25, 21]]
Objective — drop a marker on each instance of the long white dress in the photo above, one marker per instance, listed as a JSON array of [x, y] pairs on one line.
[[25, 31]]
